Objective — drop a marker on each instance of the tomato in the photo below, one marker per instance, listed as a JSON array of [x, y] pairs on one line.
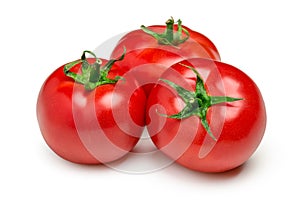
[[206, 115], [96, 118], [155, 48]]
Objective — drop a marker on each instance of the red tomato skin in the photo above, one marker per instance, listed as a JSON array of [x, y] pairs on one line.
[[147, 59], [70, 118], [147, 65], [241, 132], [198, 45]]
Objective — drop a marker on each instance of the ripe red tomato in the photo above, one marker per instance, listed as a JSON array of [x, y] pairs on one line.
[[153, 49], [210, 120], [95, 119]]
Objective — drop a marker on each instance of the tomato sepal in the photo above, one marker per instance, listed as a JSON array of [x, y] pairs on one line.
[[169, 37], [93, 75], [197, 102]]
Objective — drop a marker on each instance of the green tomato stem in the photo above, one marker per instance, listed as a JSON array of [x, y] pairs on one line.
[[169, 30], [93, 75], [197, 102], [169, 37]]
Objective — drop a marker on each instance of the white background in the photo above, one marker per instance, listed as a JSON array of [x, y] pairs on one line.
[[36, 37]]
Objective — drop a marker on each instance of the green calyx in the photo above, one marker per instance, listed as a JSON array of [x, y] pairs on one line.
[[169, 37], [93, 75], [197, 102]]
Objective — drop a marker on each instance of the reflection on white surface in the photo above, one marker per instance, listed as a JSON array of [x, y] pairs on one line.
[[144, 158]]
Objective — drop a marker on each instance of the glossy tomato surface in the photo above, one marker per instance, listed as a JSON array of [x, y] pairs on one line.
[[90, 127], [147, 59], [238, 126], [197, 45]]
